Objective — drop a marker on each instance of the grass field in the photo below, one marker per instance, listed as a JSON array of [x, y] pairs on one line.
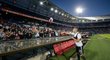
[[98, 48]]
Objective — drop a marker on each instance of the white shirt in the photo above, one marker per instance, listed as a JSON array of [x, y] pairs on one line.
[[37, 35], [79, 43]]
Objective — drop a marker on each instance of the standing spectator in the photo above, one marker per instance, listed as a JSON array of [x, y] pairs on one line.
[[35, 32], [77, 38], [56, 33]]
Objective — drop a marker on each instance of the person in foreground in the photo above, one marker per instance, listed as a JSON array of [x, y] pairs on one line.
[[78, 41]]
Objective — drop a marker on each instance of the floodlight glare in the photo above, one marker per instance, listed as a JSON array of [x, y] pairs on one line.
[[56, 11], [41, 3], [51, 9], [62, 14], [79, 10], [59, 12]]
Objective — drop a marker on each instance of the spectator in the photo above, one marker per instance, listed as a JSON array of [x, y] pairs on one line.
[[15, 30], [77, 38], [1, 33]]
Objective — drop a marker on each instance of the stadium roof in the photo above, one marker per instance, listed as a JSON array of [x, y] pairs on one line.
[[96, 17]]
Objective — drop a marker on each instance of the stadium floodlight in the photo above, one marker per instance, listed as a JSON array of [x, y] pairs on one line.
[[62, 14], [56, 11], [83, 20], [59, 12], [79, 10], [41, 3], [52, 9]]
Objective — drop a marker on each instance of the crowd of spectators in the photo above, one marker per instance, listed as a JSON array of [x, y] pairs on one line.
[[14, 31]]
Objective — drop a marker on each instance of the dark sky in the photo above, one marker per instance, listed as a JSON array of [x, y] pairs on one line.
[[91, 7]]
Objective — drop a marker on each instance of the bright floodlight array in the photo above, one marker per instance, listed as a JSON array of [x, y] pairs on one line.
[[55, 10]]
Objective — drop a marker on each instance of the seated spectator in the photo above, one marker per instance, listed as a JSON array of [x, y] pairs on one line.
[[35, 32], [16, 30], [1, 33]]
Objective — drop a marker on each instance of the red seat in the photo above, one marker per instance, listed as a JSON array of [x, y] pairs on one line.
[[57, 49], [60, 48]]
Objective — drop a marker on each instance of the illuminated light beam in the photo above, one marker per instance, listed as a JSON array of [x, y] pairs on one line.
[[79, 10]]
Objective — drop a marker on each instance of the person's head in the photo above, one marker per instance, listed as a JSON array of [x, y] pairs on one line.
[[75, 30]]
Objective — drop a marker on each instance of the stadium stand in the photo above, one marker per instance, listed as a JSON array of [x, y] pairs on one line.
[[30, 19]]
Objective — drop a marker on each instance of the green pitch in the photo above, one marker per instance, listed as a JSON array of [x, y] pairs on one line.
[[98, 48]]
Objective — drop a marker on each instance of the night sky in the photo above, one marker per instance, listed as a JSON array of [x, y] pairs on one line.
[[91, 7]]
